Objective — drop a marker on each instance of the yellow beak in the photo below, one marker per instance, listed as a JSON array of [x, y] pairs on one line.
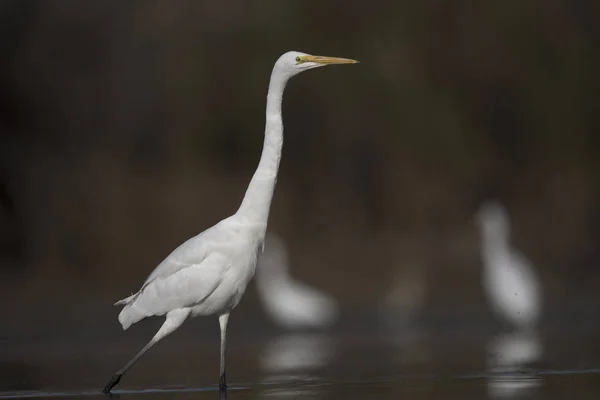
[[328, 60]]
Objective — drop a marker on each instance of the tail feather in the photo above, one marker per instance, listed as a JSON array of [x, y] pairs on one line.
[[125, 301], [130, 314]]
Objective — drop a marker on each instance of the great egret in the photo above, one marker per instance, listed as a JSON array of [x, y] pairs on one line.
[[508, 277], [208, 274], [287, 302]]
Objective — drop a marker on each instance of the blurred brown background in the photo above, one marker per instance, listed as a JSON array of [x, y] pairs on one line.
[[127, 127]]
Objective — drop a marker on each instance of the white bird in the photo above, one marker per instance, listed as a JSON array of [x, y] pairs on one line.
[[509, 280], [290, 303], [208, 274]]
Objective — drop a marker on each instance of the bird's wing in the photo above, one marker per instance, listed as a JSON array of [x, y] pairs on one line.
[[186, 287], [528, 278], [524, 264], [191, 252]]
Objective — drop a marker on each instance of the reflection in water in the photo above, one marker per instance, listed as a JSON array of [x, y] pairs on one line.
[[295, 357], [287, 302], [509, 355], [296, 354], [291, 392], [509, 280]]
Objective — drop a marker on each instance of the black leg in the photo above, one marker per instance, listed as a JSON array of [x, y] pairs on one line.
[[174, 319], [117, 376], [113, 381], [223, 382], [222, 394]]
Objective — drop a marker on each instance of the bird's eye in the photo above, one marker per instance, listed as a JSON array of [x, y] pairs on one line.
[[298, 59]]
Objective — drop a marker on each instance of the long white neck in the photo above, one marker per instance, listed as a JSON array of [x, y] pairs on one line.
[[495, 244], [257, 200]]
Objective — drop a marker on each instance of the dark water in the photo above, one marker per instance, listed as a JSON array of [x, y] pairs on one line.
[[583, 384], [404, 362]]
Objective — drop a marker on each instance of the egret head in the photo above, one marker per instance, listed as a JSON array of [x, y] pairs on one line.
[[294, 62]]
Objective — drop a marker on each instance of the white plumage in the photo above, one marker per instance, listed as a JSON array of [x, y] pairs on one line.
[[208, 274], [289, 303], [508, 277]]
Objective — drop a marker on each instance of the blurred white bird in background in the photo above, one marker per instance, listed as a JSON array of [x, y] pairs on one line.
[[509, 281], [209, 273], [287, 302]]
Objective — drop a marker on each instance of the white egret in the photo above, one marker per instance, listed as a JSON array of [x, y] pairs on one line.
[[509, 280], [287, 302], [208, 274]]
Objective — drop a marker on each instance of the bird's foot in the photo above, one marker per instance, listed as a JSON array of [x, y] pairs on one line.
[[113, 381], [223, 382]]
